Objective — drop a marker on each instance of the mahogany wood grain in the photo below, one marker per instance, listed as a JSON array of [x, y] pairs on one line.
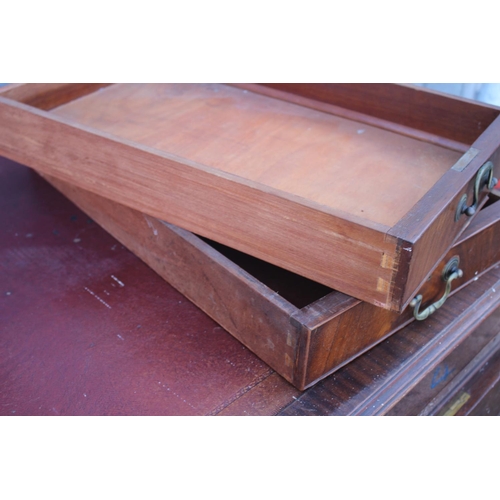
[[479, 393], [446, 380], [208, 202], [364, 210], [317, 156], [430, 224], [457, 119], [489, 403], [48, 96], [303, 344], [337, 328], [375, 382], [291, 95]]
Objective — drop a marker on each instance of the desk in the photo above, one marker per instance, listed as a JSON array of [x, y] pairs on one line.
[[86, 328]]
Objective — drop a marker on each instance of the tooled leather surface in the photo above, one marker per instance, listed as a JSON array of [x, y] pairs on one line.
[[87, 329]]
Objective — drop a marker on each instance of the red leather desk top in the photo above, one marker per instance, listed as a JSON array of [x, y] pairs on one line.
[[87, 329]]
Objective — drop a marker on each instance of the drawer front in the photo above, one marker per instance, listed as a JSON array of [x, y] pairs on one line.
[[444, 383], [429, 230], [343, 332]]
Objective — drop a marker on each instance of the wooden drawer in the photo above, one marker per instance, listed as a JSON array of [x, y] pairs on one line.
[[395, 377], [302, 329], [442, 389], [475, 390], [358, 187]]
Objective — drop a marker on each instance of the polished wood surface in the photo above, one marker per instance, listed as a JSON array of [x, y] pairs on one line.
[[432, 394], [255, 208], [477, 388], [303, 330]]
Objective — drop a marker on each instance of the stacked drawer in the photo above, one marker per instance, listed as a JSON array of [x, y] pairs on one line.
[[317, 219]]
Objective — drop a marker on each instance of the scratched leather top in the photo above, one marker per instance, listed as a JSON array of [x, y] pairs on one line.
[[87, 329]]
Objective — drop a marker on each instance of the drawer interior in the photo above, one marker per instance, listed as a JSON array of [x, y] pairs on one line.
[[294, 288], [343, 165]]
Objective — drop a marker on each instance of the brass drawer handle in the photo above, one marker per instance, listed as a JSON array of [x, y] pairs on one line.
[[484, 178], [450, 272]]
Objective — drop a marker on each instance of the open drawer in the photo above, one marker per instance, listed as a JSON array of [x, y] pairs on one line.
[[302, 329], [362, 188]]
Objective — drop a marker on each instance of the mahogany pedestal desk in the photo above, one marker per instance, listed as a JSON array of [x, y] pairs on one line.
[[86, 328]]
